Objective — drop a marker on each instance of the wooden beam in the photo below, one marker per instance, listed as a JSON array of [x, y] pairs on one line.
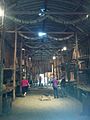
[[47, 13], [51, 32], [14, 66], [20, 63], [1, 64]]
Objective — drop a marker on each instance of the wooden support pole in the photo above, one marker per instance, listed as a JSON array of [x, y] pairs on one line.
[[1, 62], [21, 61], [44, 71], [1, 73], [14, 72], [53, 68], [77, 75], [56, 68], [20, 66]]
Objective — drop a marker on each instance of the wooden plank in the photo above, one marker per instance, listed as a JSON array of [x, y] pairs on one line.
[[0, 104], [84, 88], [8, 68]]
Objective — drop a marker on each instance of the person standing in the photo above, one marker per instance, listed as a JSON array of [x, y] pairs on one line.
[[55, 87], [24, 85], [63, 86], [40, 81]]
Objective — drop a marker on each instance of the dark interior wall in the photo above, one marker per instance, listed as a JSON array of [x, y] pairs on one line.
[[84, 46], [84, 73], [9, 55]]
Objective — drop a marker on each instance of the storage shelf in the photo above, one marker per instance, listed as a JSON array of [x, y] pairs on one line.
[[84, 57], [8, 68], [84, 87], [8, 89]]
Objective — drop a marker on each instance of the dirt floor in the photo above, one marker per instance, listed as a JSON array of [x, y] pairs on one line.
[[33, 107]]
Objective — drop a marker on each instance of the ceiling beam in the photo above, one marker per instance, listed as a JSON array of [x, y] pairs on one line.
[[53, 32], [47, 13]]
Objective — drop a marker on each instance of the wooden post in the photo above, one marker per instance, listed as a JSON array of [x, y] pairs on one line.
[[44, 71], [56, 68], [77, 56], [14, 72], [1, 62], [20, 66], [1, 72], [47, 69], [53, 69], [21, 61]]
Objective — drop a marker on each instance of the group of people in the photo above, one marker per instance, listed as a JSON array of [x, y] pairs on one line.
[[25, 84], [55, 84]]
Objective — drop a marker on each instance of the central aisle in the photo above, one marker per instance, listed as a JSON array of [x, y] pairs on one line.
[[32, 108]]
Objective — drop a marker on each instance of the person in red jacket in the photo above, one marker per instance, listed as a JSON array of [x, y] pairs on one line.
[[24, 85]]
